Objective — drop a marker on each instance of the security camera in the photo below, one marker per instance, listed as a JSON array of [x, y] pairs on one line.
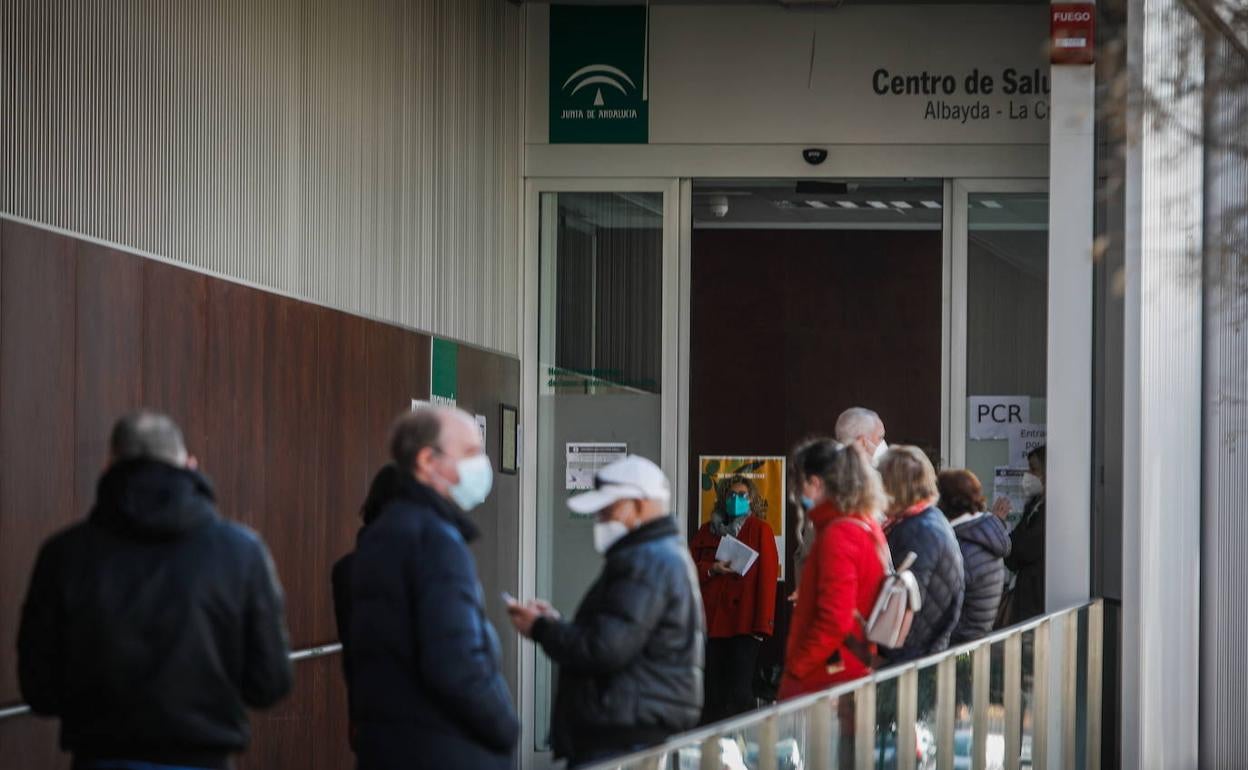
[[814, 155]]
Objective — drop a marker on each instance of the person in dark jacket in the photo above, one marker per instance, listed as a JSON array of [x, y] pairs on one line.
[[426, 685], [984, 543], [915, 525], [151, 625], [384, 487], [631, 662], [1027, 546]]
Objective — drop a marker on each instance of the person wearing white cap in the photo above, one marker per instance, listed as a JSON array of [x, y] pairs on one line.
[[631, 661]]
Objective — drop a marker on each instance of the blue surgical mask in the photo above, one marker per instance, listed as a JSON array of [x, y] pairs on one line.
[[807, 503], [737, 505], [476, 479]]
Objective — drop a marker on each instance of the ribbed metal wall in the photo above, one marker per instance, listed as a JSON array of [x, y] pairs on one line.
[[1224, 594], [1162, 435], [364, 155]]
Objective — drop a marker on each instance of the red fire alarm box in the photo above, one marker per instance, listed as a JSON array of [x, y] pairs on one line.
[[1072, 36]]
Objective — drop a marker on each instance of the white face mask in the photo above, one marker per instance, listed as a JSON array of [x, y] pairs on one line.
[[476, 479], [1032, 485], [879, 453], [607, 534]]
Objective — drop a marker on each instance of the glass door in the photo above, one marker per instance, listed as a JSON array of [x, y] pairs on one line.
[[601, 374], [999, 373]]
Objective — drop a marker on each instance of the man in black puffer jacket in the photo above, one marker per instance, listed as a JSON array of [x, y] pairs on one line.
[[149, 626], [424, 671], [984, 542], [915, 525], [631, 662]]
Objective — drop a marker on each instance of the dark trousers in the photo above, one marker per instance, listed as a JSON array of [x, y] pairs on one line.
[[729, 681]]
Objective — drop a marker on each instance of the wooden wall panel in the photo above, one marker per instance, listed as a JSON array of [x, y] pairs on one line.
[[28, 742], [109, 356], [398, 371], [236, 354], [834, 319], [287, 405], [291, 513], [175, 349], [308, 730], [36, 413], [344, 445]]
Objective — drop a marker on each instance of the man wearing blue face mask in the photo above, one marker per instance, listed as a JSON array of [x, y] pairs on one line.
[[630, 662], [426, 685]]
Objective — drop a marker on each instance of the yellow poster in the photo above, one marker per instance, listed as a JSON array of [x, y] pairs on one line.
[[764, 476]]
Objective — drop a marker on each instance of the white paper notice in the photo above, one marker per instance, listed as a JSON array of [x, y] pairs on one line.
[[585, 459], [992, 416], [740, 557], [481, 427], [1008, 483], [1023, 439]]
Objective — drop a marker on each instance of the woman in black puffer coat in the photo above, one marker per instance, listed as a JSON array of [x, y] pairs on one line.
[[984, 543]]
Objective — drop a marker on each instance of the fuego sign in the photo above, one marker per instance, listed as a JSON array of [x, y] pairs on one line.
[[1072, 33]]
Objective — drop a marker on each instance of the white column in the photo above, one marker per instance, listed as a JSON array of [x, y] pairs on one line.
[[1162, 393], [1068, 509], [1071, 208]]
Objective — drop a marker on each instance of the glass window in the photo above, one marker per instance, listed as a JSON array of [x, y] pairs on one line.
[[600, 355], [1007, 306]]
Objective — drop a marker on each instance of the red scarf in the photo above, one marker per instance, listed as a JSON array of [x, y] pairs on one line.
[[910, 512]]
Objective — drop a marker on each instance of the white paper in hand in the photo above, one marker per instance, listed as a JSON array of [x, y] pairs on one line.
[[740, 557]]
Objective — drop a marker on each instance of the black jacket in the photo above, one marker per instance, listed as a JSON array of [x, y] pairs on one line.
[[984, 543], [149, 626], [631, 662], [1027, 559], [383, 488], [425, 680], [939, 572]]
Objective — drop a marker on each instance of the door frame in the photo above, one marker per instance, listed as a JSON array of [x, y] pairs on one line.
[[958, 240], [677, 274], [674, 389]]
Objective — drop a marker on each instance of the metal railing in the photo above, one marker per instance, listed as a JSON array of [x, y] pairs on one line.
[[985, 705], [319, 651]]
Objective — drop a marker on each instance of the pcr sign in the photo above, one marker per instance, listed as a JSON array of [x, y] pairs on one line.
[[992, 416]]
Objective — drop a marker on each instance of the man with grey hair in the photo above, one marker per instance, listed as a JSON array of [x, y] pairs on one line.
[[861, 426], [150, 625], [424, 670]]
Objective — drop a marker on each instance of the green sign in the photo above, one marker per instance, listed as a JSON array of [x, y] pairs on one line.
[[597, 75], [444, 372]]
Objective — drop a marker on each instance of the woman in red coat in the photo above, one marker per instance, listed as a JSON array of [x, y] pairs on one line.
[[740, 609], [842, 575]]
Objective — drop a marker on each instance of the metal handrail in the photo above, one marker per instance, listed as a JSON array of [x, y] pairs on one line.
[[319, 651], [819, 705]]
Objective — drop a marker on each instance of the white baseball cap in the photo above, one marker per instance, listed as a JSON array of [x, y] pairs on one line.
[[632, 478]]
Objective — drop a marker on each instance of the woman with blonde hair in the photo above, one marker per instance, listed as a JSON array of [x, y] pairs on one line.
[[842, 574], [915, 525]]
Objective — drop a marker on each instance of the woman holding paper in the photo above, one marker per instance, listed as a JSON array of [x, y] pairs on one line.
[[841, 576], [738, 566]]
